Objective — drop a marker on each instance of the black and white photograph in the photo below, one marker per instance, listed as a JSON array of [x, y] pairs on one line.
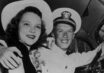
[[51, 36]]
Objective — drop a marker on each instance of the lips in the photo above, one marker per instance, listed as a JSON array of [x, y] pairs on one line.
[[31, 36]]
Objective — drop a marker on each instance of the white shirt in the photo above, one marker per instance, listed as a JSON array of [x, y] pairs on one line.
[[56, 61]]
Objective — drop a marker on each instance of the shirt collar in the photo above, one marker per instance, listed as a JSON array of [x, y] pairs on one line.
[[57, 49]]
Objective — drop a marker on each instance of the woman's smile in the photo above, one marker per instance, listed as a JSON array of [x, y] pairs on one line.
[[31, 36], [29, 28]]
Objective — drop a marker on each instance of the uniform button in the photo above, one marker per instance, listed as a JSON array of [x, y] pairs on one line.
[[66, 67], [47, 70]]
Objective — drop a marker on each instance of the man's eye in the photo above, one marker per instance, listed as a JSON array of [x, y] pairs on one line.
[[59, 30], [39, 27], [70, 31]]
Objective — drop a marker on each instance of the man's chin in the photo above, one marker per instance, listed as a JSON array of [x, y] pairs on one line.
[[64, 48]]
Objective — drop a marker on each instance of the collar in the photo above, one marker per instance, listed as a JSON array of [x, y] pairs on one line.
[[57, 49]]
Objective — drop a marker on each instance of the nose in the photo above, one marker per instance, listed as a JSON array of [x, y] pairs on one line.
[[32, 30], [65, 35]]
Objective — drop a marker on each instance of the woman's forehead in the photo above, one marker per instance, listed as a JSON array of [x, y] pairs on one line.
[[30, 14], [31, 17]]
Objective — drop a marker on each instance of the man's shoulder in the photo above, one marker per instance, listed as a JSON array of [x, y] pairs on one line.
[[44, 50]]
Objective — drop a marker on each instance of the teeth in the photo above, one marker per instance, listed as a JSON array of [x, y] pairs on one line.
[[31, 36], [64, 41]]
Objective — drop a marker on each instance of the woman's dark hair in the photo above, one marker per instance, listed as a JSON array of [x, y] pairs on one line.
[[97, 36], [12, 28]]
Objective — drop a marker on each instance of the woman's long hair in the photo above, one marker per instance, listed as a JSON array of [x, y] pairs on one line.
[[13, 26]]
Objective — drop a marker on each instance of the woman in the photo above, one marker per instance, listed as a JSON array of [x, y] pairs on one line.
[[25, 24], [99, 37]]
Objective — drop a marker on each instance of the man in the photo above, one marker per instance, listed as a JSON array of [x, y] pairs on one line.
[[66, 24]]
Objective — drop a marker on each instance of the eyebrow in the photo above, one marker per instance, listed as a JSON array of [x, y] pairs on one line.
[[25, 21]]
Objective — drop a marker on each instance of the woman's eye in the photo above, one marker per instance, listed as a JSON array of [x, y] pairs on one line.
[[26, 24]]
